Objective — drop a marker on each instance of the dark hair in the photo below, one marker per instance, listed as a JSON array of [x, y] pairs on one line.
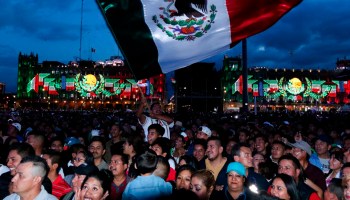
[[190, 160], [260, 135], [23, 149], [159, 129], [345, 165], [185, 167], [202, 142], [279, 143], [137, 142], [55, 158], [335, 187], [89, 159], [105, 178], [290, 184], [123, 157], [164, 143], [154, 103], [163, 168], [338, 155], [236, 149], [214, 138], [98, 139], [146, 162], [296, 164]]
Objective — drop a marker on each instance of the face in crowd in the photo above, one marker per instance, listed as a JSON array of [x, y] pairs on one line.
[[97, 150], [198, 152]]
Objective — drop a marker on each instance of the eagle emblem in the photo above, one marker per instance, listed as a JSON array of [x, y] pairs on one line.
[[185, 19]]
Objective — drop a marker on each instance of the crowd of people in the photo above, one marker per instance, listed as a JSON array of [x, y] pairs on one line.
[[152, 155]]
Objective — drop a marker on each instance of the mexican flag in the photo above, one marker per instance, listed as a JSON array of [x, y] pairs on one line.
[[160, 36]]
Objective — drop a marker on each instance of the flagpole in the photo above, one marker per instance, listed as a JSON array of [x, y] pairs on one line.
[[244, 76]]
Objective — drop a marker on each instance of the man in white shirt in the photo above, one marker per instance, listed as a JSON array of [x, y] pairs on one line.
[[156, 116]]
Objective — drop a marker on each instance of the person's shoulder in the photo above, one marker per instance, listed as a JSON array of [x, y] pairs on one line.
[[13, 196]]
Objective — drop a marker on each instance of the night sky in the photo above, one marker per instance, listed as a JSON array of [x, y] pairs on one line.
[[312, 35]]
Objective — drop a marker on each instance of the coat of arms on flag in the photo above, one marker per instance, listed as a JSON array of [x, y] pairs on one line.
[[185, 23]]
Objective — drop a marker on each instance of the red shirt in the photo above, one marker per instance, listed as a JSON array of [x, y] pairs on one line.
[[60, 187]]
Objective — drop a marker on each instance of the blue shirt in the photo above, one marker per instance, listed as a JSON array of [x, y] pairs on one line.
[[147, 188]]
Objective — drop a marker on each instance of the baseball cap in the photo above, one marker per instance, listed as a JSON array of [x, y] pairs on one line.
[[205, 130], [303, 146], [86, 169], [236, 167], [17, 126]]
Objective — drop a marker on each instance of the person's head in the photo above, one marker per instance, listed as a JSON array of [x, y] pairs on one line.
[[163, 168], [97, 186], [277, 150], [156, 108], [83, 157], [203, 132], [323, 145], [53, 160], [74, 149], [154, 131], [13, 129], [118, 164], [346, 187], [229, 145], [202, 183], [146, 162], [29, 176], [345, 170], [161, 146], [261, 143], [347, 154], [243, 154], [199, 148], [301, 150], [284, 187], [116, 132], [133, 145], [257, 159], [214, 148], [97, 147], [289, 165], [183, 177], [243, 136], [188, 160], [334, 190], [81, 172], [235, 177], [180, 142], [17, 152], [57, 144], [35, 139], [336, 160]]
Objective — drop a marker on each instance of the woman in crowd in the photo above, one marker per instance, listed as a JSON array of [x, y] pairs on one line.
[[96, 186], [179, 149], [132, 147], [183, 177], [284, 187], [202, 183], [257, 158], [188, 160], [346, 187], [335, 164]]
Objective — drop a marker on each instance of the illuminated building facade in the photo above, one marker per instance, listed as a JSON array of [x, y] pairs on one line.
[[83, 84], [271, 87]]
